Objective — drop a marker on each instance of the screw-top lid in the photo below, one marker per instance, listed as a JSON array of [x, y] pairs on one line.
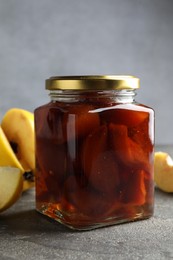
[[101, 82]]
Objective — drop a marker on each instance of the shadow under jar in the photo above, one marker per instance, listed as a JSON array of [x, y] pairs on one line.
[[94, 152]]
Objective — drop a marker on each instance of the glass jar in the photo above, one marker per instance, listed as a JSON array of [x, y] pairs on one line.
[[94, 152]]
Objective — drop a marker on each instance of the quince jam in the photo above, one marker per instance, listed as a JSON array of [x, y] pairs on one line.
[[94, 155]]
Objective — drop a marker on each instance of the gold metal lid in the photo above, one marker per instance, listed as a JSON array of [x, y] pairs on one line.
[[104, 82]]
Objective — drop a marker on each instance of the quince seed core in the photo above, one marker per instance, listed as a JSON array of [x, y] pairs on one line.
[[14, 146]]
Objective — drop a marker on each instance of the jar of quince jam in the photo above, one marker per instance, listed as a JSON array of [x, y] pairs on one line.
[[94, 152]]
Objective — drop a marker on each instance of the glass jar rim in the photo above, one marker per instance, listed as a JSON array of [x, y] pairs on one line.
[[93, 82]]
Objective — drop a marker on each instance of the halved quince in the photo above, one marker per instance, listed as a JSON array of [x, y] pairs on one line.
[[11, 185], [7, 156], [18, 126], [163, 171]]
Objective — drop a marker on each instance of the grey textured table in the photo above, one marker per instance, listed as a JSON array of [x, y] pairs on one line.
[[25, 234]]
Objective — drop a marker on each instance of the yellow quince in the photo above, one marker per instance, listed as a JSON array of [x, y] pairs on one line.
[[7, 156], [163, 171], [18, 127]]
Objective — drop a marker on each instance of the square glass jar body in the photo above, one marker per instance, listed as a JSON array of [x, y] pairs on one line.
[[94, 158]]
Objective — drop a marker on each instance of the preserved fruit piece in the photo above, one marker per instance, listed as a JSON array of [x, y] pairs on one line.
[[52, 163], [87, 202], [99, 164], [120, 114], [134, 190], [62, 123], [48, 122], [42, 192], [129, 152], [79, 120], [93, 205], [142, 136]]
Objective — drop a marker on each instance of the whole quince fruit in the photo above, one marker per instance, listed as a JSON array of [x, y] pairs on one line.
[[163, 171]]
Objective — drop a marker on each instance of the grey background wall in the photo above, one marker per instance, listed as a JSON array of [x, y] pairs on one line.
[[41, 38]]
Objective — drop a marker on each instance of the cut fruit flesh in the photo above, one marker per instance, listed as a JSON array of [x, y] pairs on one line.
[[11, 185]]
